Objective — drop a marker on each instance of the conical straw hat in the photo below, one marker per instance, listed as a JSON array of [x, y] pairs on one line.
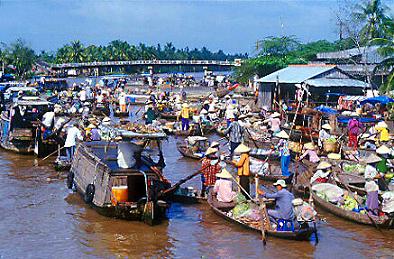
[[383, 150], [242, 149], [282, 134], [224, 174], [372, 158]]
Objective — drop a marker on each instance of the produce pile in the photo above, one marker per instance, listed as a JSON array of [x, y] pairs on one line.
[[246, 212], [139, 128], [353, 168]]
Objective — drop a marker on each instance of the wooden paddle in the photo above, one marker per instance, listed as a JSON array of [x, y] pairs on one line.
[[250, 135]]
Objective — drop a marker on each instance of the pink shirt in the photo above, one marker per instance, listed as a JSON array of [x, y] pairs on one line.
[[275, 124], [224, 190], [313, 157]]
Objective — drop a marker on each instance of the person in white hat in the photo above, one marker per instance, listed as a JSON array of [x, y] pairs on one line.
[[324, 134], [310, 150], [383, 132], [224, 187], [283, 147], [209, 168], [370, 171], [274, 122], [322, 174], [243, 165], [283, 202]]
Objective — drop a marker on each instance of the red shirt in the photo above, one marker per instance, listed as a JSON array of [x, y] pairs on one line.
[[209, 171]]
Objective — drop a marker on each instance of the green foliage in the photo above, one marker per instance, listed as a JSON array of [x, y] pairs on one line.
[[118, 50], [21, 57]]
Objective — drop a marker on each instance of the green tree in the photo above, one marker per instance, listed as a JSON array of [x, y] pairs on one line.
[[76, 52], [386, 49], [372, 15], [21, 56]]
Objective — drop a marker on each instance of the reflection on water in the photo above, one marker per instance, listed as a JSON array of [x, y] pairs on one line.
[[41, 218]]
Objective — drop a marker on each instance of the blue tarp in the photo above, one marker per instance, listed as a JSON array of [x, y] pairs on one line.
[[378, 99], [362, 120], [326, 109]]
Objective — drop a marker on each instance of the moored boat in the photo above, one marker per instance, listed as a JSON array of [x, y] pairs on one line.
[[113, 189]]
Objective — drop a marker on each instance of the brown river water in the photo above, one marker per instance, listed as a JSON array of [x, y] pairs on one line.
[[41, 218]]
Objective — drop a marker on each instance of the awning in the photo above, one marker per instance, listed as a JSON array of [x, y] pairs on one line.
[[383, 99]]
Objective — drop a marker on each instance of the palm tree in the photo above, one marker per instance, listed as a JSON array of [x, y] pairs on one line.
[[76, 53], [22, 57], [372, 14], [386, 49]]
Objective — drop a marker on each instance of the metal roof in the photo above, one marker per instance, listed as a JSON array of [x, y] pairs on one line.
[[334, 82], [294, 74], [368, 55]]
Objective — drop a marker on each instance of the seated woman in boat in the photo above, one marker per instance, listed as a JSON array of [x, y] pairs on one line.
[[324, 134], [283, 202], [209, 168], [223, 187], [371, 171], [372, 203], [310, 150], [348, 202], [322, 174]]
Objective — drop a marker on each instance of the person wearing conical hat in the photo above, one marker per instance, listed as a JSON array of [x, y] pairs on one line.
[[382, 166], [324, 134], [273, 122], [283, 147], [383, 132], [223, 188], [243, 166], [370, 172], [322, 174], [310, 150], [355, 128], [209, 168]]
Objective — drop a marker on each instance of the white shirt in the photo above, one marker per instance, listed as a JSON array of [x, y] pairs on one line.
[[82, 95], [323, 135], [47, 119], [122, 99], [370, 172], [73, 134]]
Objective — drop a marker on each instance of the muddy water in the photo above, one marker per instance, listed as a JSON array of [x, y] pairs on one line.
[[40, 218]]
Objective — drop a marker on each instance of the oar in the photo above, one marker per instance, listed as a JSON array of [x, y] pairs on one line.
[[51, 154], [250, 135]]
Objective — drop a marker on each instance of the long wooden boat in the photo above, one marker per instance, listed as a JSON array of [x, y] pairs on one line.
[[355, 183], [97, 176], [305, 133], [222, 92], [303, 233], [170, 116], [384, 222]]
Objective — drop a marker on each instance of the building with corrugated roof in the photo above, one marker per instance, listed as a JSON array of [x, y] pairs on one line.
[[316, 79]]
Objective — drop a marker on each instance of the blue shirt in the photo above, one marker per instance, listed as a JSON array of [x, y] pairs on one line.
[[283, 199]]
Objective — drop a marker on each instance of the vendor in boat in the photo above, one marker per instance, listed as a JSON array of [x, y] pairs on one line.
[[274, 122], [185, 115], [92, 133], [106, 133], [73, 134], [372, 204], [283, 202], [310, 150], [355, 128], [209, 168], [382, 131], [230, 114], [322, 174], [371, 171], [235, 134], [150, 114], [223, 188], [122, 101], [324, 134], [384, 153], [243, 165], [283, 147], [212, 113]]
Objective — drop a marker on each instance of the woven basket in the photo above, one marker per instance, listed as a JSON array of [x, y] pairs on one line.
[[330, 147]]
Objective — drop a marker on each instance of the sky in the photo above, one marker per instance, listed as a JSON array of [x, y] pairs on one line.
[[233, 26]]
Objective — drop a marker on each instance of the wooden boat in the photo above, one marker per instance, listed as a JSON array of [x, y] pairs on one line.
[[101, 109], [354, 182], [193, 142], [170, 116], [183, 195], [222, 92], [384, 222], [121, 114], [19, 127], [303, 233], [304, 132], [97, 176]]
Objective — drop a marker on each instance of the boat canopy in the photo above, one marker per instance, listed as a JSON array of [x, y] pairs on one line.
[[131, 134]]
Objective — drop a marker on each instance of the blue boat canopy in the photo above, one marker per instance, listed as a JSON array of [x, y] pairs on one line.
[[383, 99], [326, 109]]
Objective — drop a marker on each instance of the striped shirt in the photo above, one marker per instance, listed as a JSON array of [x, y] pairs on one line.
[[235, 132]]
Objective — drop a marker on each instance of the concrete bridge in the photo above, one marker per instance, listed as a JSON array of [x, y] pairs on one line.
[[97, 68]]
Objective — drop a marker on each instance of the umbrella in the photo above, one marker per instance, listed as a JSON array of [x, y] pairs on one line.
[[383, 99]]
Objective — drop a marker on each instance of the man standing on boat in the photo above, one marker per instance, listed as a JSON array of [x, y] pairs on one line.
[[283, 202], [185, 115], [73, 134], [235, 134], [209, 168]]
